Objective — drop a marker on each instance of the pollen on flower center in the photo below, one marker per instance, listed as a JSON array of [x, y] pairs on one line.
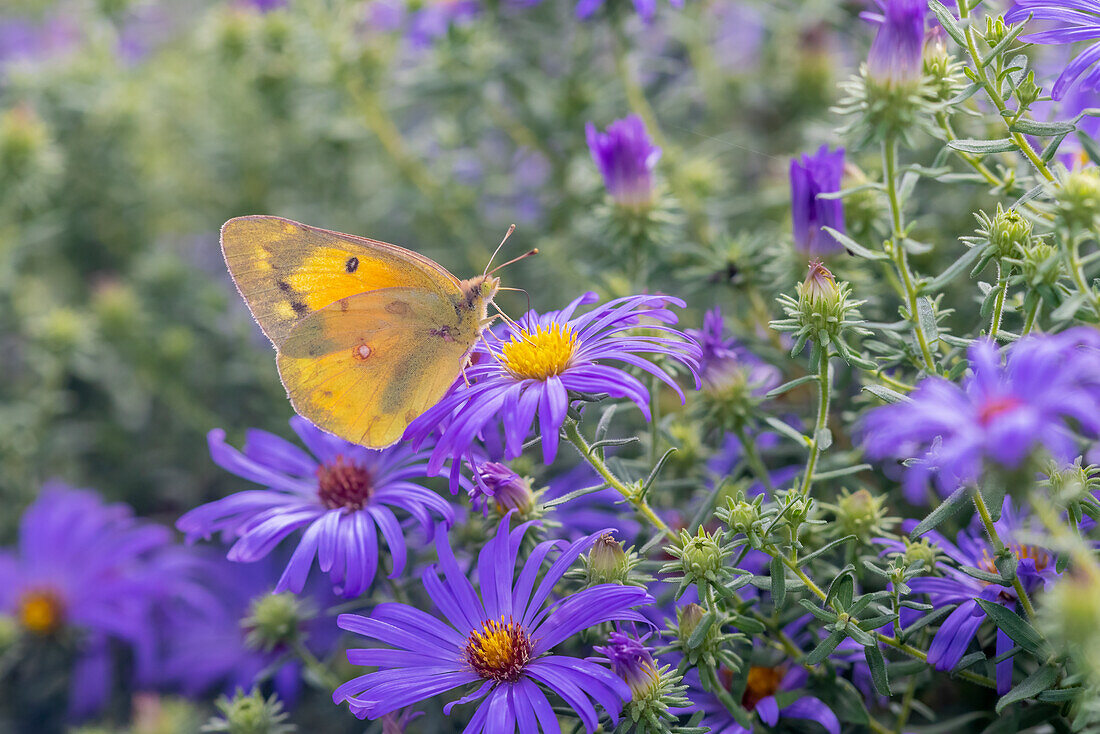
[[541, 353], [1022, 552], [41, 612], [343, 483], [499, 651], [762, 682]]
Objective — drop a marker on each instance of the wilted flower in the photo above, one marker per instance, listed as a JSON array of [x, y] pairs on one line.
[[896, 54], [626, 158], [500, 640], [1000, 414], [530, 373], [91, 568], [342, 494], [812, 176]]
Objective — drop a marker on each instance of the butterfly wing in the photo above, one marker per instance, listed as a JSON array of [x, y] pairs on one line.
[[286, 270], [366, 365]]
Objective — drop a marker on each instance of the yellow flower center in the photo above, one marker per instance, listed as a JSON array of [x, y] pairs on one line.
[[41, 612], [762, 682], [499, 651], [1040, 556], [539, 354]]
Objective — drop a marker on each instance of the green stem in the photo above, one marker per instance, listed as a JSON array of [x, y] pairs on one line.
[[573, 434], [824, 388], [897, 247], [994, 93], [1072, 257], [999, 547], [999, 304], [1031, 315], [315, 666], [752, 456]]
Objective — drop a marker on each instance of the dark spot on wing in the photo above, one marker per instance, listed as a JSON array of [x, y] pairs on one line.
[[351, 264], [284, 286], [397, 307], [299, 307], [343, 304]]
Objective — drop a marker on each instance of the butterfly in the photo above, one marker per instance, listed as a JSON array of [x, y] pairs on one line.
[[367, 335]]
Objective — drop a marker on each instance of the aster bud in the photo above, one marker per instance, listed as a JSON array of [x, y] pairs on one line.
[[654, 691], [822, 312], [249, 714], [607, 561], [500, 488], [699, 645], [700, 559], [896, 54], [920, 551], [1070, 616], [274, 620], [1040, 265], [626, 157], [1008, 233], [861, 514], [1078, 197]]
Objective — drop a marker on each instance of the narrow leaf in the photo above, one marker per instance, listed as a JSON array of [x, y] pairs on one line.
[[1039, 681], [947, 508], [878, 669]]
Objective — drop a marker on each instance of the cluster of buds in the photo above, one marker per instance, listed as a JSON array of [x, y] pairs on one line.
[[823, 314]]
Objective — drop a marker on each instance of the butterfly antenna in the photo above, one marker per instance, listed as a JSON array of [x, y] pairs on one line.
[[511, 229], [520, 331], [527, 254], [519, 290]]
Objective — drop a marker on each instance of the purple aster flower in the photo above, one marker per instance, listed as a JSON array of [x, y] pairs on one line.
[[626, 157], [500, 641], [762, 685], [89, 567], [812, 176], [725, 358], [646, 8], [209, 645], [897, 52], [1072, 21], [433, 19], [1000, 414], [632, 661], [498, 485], [343, 495], [1035, 569], [29, 41], [528, 375]]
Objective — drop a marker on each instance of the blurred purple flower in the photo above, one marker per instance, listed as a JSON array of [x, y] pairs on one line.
[[1000, 414], [1035, 568], [530, 374], [25, 40], [206, 642], [91, 567], [897, 52], [812, 176], [646, 8], [723, 354], [759, 698], [342, 495], [1073, 21], [499, 640], [626, 157]]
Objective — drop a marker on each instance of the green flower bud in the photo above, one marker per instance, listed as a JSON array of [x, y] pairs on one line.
[[274, 620], [743, 516], [700, 559], [861, 514], [921, 551], [1078, 197], [1070, 616], [1008, 233], [249, 714], [1040, 264], [823, 313], [607, 561]]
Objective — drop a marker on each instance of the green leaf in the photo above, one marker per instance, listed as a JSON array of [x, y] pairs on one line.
[[926, 314], [983, 147], [854, 247], [953, 271], [958, 499], [846, 471], [779, 585], [885, 394], [1039, 681], [947, 20], [786, 430], [790, 386], [574, 495], [1013, 625], [825, 648], [700, 631], [1044, 129], [878, 669]]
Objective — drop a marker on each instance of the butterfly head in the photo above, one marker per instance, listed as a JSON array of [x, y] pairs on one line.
[[481, 289]]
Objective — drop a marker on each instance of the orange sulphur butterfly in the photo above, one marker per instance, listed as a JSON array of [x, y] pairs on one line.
[[367, 335]]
